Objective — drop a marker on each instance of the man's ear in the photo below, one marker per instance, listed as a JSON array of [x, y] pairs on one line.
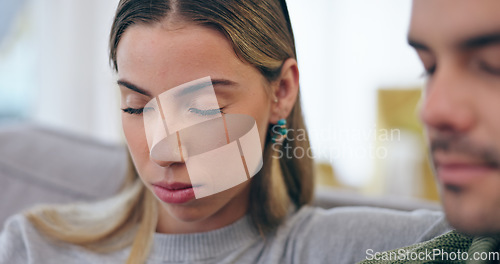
[[285, 91]]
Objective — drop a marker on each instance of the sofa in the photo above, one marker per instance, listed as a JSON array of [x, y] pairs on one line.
[[45, 165]]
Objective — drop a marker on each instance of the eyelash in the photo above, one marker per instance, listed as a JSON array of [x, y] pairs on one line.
[[492, 70], [206, 112], [133, 111], [428, 72], [139, 111]]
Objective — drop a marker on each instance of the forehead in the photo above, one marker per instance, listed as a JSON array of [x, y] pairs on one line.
[[450, 21], [170, 56]]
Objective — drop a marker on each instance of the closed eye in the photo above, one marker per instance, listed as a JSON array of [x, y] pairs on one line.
[[133, 111], [428, 72], [208, 112], [489, 69], [136, 111]]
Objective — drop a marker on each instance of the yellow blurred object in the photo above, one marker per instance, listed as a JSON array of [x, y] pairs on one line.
[[397, 110], [325, 176]]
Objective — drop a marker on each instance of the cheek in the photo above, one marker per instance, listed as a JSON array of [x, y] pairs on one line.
[[487, 107], [261, 113], [262, 133], [136, 139]]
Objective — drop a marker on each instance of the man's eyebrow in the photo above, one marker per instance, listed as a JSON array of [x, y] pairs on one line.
[[417, 45], [199, 86], [133, 87], [481, 41]]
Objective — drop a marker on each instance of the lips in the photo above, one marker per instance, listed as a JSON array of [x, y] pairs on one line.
[[173, 186], [461, 171], [174, 193]]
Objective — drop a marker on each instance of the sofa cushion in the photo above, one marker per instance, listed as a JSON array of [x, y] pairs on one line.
[[42, 165]]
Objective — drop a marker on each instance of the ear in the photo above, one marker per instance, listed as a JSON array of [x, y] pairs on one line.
[[285, 91]]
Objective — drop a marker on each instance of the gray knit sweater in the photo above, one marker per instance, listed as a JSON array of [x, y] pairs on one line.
[[310, 235]]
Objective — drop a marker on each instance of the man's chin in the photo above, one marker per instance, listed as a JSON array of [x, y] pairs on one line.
[[472, 220], [473, 228]]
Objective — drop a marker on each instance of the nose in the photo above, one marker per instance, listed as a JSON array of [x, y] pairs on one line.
[[168, 151], [447, 101]]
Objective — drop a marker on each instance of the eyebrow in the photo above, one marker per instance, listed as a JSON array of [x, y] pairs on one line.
[[187, 90], [133, 88], [481, 41], [417, 45], [467, 44], [199, 86]]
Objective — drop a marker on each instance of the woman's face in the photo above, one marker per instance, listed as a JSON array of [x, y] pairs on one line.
[[155, 58]]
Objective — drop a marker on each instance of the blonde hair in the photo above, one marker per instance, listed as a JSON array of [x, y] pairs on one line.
[[261, 34]]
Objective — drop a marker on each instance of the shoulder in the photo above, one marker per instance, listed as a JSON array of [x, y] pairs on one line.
[[21, 242], [346, 221], [438, 249], [13, 247], [344, 234], [15, 230]]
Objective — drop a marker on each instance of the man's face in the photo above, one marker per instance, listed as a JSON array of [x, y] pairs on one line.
[[458, 42]]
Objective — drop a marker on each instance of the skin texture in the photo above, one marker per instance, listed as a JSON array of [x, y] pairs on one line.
[[164, 55], [458, 44]]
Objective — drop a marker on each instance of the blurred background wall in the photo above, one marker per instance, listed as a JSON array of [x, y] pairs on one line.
[[54, 67], [54, 70]]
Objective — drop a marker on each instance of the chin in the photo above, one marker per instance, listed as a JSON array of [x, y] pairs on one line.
[[473, 227], [472, 218], [185, 213]]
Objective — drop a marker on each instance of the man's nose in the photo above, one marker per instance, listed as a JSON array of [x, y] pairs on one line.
[[168, 151], [446, 104]]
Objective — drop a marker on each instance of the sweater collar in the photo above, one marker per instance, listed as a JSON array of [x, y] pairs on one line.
[[205, 245], [483, 244]]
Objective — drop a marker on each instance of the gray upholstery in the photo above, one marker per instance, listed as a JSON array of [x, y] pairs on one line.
[[40, 165], [333, 197]]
